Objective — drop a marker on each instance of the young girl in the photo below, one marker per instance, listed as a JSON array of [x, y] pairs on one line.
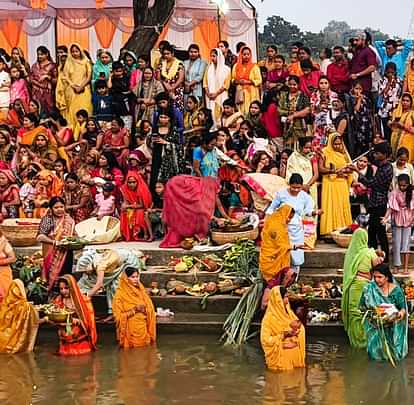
[[78, 198], [361, 119], [153, 215], [400, 211], [18, 88], [402, 165], [136, 198], [105, 201], [60, 169]]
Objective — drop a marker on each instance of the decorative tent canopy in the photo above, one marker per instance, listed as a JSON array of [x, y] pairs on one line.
[[113, 18]]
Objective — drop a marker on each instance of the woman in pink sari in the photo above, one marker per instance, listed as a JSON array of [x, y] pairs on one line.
[[43, 77], [189, 204], [55, 226]]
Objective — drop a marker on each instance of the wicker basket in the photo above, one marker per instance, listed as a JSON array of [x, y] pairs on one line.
[[23, 234], [106, 230], [342, 240], [221, 238]]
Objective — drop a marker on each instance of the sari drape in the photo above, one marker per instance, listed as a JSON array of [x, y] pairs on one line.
[[336, 206], [358, 259], [19, 321], [133, 219], [83, 337], [6, 276], [397, 334], [251, 92], [401, 138], [276, 321], [189, 204], [139, 329], [54, 256], [275, 247], [68, 101]]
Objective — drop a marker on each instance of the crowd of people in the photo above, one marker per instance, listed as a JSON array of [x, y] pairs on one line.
[[174, 146]]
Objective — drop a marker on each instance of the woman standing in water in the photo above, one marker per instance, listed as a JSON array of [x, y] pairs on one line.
[[359, 260], [81, 336], [282, 335], [385, 343], [134, 312]]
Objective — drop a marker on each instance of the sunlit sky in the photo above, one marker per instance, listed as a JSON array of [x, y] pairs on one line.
[[392, 17]]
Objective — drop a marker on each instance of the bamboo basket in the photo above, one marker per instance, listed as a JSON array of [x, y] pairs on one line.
[[221, 238], [20, 235], [96, 232], [342, 240]]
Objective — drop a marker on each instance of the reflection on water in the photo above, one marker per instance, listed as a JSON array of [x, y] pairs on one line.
[[198, 370]]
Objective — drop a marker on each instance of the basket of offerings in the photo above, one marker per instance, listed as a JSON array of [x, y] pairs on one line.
[[55, 313], [343, 236], [20, 231], [232, 231]]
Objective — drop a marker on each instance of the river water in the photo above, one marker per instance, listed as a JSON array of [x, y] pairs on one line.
[[197, 370]]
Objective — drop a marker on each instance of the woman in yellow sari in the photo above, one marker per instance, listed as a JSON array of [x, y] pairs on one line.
[[282, 335], [73, 92], [275, 248], [7, 257], [19, 321], [134, 312], [336, 182], [402, 125], [247, 78], [408, 86]]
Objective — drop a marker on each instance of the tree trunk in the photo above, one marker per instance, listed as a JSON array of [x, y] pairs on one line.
[[149, 22]]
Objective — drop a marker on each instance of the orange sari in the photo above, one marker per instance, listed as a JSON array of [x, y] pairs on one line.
[[133, 219], [6, 276], [133, 329], [82, 337]]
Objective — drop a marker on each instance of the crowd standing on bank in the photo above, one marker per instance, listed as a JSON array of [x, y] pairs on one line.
[[175, 147]]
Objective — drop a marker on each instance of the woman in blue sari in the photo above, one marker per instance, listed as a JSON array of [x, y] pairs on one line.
[[303, 205], [390, 341]]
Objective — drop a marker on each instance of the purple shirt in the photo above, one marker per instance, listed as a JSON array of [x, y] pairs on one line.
[[362, 59]]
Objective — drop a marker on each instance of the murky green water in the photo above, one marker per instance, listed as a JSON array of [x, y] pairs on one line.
[[196, 370]]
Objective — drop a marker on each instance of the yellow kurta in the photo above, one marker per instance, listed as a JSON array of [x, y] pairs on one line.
[[276, 321], [251, 92], [336, 206], [404, 139]]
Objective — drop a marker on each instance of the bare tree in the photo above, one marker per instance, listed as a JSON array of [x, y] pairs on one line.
[[150, 16]]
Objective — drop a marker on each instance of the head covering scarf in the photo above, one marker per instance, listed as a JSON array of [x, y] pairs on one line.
[[243, 70], [217, 74], [10, 176], [140, 329], [275, 248], [133, 56], [277, 319], [338, 159], [56, 185], [99, 67], [18, 321]]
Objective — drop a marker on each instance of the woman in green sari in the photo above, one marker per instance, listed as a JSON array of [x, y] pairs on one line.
[[388, 342], [359, 260]]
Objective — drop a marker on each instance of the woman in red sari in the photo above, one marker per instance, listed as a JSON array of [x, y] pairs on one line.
[[108, 169], [189, 204], [55, 226], [81, 336], [136, 198], [9, 195], [43, 78], [115, 140]]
